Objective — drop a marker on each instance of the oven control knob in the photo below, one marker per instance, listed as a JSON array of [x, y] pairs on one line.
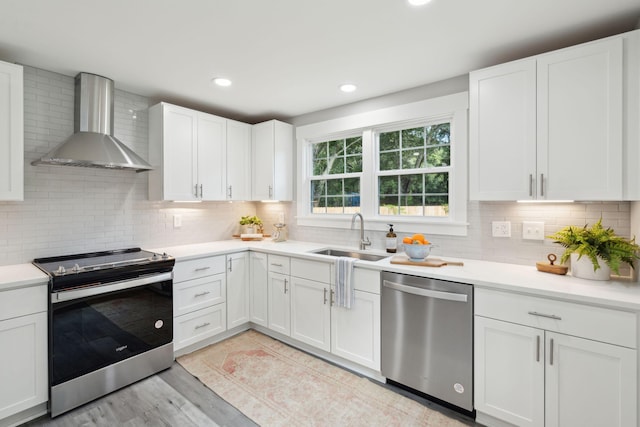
[[155, 257], [75, 268], [164, 255], [61, 270]]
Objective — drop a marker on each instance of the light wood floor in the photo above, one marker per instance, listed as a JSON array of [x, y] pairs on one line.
[[171, 398], [174, 398]]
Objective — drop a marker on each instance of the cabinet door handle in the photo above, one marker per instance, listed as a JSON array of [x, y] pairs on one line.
[[551, 352], [537, 348], [548, 316], [201, 294], [325, 296], [204, 325], [270, 191], [530, 185], [285, 286], [541, 184], [202, 268], [196, 189], [230, 264], [230, 192]]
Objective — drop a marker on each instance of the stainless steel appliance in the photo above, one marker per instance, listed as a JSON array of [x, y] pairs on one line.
[[110, 322], [93, 143], [427, 337]]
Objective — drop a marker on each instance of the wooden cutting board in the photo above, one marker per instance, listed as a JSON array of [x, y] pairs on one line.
[[428, 262]]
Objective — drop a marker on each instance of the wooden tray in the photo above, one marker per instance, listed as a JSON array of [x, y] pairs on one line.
[[428, 262], [238, 236]]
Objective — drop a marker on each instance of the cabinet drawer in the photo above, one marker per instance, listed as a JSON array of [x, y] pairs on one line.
[[366, 280], [199, 325], [195, 268], [192, 295], [23, 301], [596, 323], [279, 264], [312, 270]]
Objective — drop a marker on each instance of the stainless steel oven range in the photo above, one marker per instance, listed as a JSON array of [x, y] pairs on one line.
[[110, 322]]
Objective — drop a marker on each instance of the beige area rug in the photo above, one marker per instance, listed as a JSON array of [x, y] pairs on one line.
[[277, 385]]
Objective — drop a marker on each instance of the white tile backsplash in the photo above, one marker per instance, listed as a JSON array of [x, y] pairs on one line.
[[70, 209]]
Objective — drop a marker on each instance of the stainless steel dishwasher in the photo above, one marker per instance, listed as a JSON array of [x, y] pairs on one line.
[[427, 336]]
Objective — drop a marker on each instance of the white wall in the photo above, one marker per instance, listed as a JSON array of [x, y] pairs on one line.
[[71, 209]]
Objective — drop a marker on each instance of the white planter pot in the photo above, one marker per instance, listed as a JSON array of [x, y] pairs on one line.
[[583, 268]]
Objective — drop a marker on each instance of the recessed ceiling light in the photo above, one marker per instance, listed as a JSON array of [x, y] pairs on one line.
[[348, 87], [221, 81], [418, 2]]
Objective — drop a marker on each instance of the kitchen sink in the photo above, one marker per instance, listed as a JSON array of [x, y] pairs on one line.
[[351, 254]]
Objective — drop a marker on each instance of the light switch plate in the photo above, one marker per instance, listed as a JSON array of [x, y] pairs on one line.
[[177, 221], [533, 230], [501, 228]]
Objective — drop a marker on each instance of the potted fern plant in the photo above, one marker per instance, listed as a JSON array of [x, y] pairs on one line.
[[595, 251]]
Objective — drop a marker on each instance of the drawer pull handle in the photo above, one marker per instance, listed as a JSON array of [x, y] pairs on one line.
[[204, 325], [548, 316], [202, 268], [201, 294], [276, 265]]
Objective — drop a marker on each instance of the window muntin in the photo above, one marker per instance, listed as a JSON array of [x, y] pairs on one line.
[[413, 177], [335, 181]]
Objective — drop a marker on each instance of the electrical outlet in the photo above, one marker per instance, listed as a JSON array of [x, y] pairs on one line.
[[501, 228], [533, 230], [177, 221]]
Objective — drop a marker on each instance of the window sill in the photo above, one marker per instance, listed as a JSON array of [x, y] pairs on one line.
[[400, 225]]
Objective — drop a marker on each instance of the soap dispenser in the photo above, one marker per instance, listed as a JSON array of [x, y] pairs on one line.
[[392, 241]]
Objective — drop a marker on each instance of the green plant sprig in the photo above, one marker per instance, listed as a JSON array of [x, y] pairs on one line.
[[250, 220], [595, 242]]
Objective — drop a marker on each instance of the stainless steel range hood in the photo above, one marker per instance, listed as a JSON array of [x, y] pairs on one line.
[[93, 144]]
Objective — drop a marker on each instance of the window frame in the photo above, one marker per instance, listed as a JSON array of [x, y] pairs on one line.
[[453, 108]]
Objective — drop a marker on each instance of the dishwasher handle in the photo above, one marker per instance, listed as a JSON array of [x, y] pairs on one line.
[[451, 296]]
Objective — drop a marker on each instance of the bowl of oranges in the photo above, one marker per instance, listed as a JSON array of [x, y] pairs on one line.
[[416, 247]]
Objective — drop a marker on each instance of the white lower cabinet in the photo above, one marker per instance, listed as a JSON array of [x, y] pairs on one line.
[[258, 288], [237, 289], [550, 363], [355, 332], [311, 312], [23, 340], [199, 300], [279, 302]]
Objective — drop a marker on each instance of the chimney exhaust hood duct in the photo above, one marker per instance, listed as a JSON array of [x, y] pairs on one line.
[[93, 144]]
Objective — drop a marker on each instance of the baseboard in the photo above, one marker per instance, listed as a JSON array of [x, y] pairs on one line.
[[24, 416]]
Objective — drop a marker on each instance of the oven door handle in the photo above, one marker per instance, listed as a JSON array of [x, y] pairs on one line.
[[103, 289]]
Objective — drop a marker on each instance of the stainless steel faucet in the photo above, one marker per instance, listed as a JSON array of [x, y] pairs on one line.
[[364, 242]]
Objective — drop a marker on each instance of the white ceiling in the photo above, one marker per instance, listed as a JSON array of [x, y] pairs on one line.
[[288, 57]]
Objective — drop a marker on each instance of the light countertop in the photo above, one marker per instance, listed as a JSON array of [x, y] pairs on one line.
[[500, 276], [21, 276]]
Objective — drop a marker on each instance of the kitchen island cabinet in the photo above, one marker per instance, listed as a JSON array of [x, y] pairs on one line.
[[549, 363], [549, 127], [11, 132]]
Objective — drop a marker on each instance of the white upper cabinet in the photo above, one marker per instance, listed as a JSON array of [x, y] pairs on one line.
[[211, 161], [272, 157], [187, 151], [238, 161], [502, 122], [549, 127], [11, 132]]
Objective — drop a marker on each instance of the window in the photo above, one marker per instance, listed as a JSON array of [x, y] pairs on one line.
[[413, 171], [335, 181], [405, 164]]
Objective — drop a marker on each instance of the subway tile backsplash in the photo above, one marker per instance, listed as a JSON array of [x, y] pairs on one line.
[[70, 209]]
